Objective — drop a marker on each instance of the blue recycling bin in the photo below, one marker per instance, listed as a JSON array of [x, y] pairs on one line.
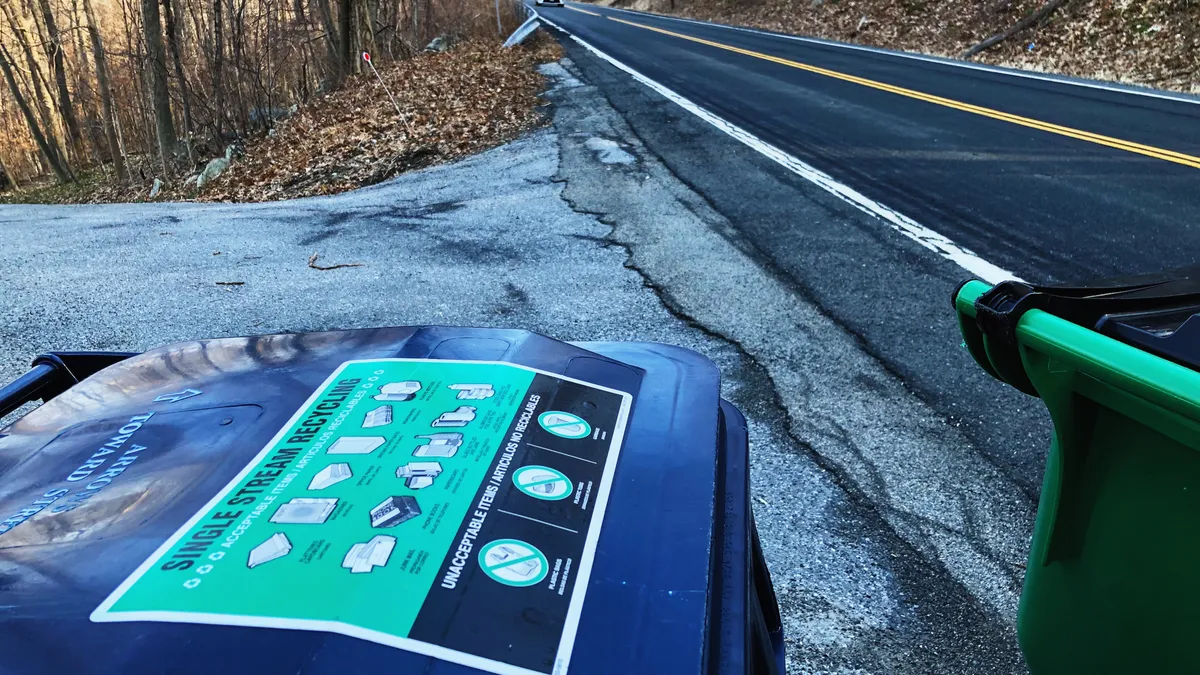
[[394, 500]]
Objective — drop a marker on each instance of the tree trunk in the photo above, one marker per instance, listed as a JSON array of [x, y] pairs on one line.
[[85, 89], [52, 156], [1045, 11], [173, 42], [336, 73], [218, 75], [429, 28], [142, 125], [106, 97], [237, 33], [156, 60], [54, 53], [41, 100], [12, 177], [345, 34], [369, 21]]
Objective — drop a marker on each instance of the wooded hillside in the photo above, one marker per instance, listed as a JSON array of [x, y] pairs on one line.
[[149, 88]]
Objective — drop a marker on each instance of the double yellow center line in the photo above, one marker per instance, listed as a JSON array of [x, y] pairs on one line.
[[1119, 144]]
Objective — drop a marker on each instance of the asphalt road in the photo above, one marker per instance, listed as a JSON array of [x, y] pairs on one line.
[[869, 184], [1044, 195], [1046, 206]]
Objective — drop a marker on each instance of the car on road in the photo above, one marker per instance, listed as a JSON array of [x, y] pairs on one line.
[[549, 3]]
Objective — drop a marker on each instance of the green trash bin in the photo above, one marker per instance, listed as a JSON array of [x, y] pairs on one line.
[[1113, 578]]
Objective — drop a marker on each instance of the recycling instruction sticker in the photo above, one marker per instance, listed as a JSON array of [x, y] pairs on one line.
[[409, 499]]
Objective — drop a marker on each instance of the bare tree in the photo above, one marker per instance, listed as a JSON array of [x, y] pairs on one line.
[[40, 96], [102, 128], [124, 80], [160, 97], [51, 153], [185, 98], [54, 53], [83, 83], [237, 49], [137, 96], [345, 39], [218, 58], [367, 29], [336, 71], [8, 175], [104, 83]]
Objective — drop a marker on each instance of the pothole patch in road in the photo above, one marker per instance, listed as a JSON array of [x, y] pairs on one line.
[[609, 152]]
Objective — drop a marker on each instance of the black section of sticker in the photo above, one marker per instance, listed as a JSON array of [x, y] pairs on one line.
[[517, 613]]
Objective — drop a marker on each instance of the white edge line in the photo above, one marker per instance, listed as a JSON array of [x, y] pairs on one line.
[[102, 613], [407, 644], [910, 228], [559, 452], [939, 60], [538, 521]]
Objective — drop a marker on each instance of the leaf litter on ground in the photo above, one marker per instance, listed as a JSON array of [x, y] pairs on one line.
[[454, 103]]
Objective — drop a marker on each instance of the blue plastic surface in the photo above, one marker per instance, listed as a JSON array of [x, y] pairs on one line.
[[669, 591]]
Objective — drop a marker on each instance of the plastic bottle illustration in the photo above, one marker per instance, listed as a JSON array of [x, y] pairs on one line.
[[419, 475], [458, 417], [398, 391], [443, 444], [473, 392]]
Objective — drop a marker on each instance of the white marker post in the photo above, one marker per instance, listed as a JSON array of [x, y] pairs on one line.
[[367, 57]]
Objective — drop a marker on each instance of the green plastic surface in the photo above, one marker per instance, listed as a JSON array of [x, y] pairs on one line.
[[1111, 584]]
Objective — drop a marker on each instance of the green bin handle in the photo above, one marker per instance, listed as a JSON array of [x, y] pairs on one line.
[[999, 363]]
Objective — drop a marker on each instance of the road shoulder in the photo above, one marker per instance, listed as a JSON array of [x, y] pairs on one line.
[[879, 520]]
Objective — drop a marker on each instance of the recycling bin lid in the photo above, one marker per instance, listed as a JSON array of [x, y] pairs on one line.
[[246, 505], [1156, 313]]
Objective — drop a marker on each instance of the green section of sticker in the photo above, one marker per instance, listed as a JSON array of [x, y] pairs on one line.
[[349, 513], [564, 424]]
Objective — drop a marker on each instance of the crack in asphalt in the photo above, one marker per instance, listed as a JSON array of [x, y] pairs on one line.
[[920, 524], [741, 241], [769, 264], [839, 476]]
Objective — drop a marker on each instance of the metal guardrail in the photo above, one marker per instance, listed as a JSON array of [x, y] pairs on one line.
[[525, 30]]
